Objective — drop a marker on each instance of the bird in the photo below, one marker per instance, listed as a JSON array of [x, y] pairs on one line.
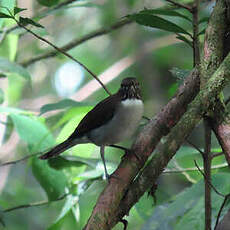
[[111, 121]]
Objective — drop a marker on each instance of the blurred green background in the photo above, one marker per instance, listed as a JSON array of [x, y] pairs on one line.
[[42, 103]]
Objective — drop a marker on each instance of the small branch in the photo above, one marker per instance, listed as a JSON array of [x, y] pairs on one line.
[[216, 155], [221, 209], [35, 204], [207, 172], [180, 5], [208, 181], [77, 42], [194, 169], [196, 42], [19, 160], [195, 147], [40, 15], [63, 52]]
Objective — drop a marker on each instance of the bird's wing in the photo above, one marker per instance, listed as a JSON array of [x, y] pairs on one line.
[[98, 116]]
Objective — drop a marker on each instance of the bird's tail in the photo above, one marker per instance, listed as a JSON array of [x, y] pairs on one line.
[[58, 149]]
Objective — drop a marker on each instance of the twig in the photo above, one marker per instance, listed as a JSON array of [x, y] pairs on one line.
[[77, 42], [196, 42], [19, 160], [207, 172], [195, 147], [180, 5], [63, 52], [35, 204], [221, 208], [216, 154], [40, 15], [209, 182], [194, 169]]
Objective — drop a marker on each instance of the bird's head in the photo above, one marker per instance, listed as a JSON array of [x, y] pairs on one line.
[[130, 88]]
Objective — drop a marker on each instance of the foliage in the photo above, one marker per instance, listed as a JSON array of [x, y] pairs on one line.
[[30, 111]]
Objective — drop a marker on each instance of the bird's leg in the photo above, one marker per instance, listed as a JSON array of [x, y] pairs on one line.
[[127, 151], [102, 151]]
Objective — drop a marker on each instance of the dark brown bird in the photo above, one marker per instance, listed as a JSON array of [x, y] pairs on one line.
[[111, 121]]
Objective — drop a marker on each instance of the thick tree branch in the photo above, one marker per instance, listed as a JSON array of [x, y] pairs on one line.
[[112, 205], [160, 126], [214, 52], [76, 42], [213, 55], [173, 141]]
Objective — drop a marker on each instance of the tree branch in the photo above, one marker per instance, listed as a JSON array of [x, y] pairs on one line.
[[115, 201], [223, 223], [220, 121], [39, 15], [63, 52], [208, 181], [180, 5], [196, 42], [35, 204], [19, 160], [76, 42], [207, 172]]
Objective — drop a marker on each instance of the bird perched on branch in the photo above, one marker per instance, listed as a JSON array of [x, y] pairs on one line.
[[111, 121]]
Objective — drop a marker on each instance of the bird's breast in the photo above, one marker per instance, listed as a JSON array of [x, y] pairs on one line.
[[123, 124]]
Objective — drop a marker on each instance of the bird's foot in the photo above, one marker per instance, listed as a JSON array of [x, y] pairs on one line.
[[108, 177], [127, 151], [131, 152]]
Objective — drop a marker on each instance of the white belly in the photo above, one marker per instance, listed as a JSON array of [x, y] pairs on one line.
[[122, 125]]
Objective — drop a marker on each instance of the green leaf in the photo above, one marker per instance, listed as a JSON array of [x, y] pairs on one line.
[[145, 206], [204, 19], [1, 96], [72, 161], [63, 104], [69, 203], [188, 206], [11, 67], [165, 12], [88, 199], [9, 45], [184, 39], [18, 10], [48, 2], [28, 21], [157, 22], [202, 31], [11, 110], [33, 132], [68, 221], [52, 181], [2, 218], [2, 15]]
